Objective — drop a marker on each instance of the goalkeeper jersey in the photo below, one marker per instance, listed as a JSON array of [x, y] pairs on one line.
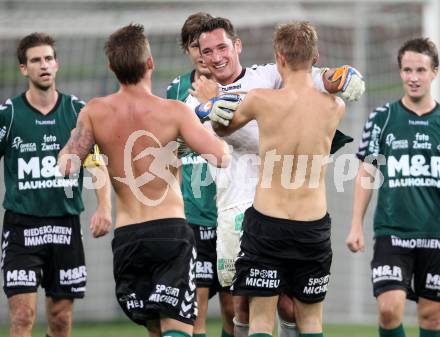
[[30, 143], [409, 197], [236, 184], [199, 201]]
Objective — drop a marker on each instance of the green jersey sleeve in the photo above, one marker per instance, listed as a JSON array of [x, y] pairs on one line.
[[173, 89], [178, 90], [6, 118], [372, 134]]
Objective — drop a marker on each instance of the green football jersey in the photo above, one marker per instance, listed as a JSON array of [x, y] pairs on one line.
[[406, 147], [30, 143], [199, 201]]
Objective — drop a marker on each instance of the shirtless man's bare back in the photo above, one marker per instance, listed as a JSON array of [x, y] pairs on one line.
[[285, 245], [153, 246]]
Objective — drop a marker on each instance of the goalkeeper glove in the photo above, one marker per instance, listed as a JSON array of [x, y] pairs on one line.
[[219, 109], [351, 83]]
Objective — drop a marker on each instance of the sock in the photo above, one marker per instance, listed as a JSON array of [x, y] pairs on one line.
[[320, 334], [396, 332], [199, 334], [240, 329], [225, 334], [174, 333], [429, 333], [260, 335], [287, 329]]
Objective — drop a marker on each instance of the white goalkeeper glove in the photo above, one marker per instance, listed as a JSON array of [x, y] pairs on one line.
[[219, 109], [351, 85]]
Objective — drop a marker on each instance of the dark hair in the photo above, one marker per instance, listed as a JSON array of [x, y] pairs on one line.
[[191, 27], [422, 46], [216, 23], [34, 40], [127, 50], [297, 42]]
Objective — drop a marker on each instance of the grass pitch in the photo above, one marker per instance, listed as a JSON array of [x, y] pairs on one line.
[[128, 329]]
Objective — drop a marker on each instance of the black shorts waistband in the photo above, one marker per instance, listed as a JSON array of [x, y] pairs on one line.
[[146, 224], [298, 223]]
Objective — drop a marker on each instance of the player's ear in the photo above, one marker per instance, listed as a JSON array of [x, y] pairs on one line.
[[150, 63], [58, 65], [435, 71], [280, 59], [315, 59], [238, 45], [23, 69]]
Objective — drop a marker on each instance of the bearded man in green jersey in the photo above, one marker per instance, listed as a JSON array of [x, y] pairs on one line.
[[401, 144], [199, 191], [41, 241]]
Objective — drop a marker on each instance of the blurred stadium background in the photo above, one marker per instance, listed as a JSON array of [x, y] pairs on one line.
[[366, 34]]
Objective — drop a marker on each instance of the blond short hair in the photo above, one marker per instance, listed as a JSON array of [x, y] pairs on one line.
[[297, 42]]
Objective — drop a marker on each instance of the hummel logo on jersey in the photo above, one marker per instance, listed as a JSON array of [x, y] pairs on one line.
[[421, 123], [231, 87], [43, 122]]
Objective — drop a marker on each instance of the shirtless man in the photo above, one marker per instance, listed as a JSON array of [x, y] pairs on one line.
[[154, 255], [285, 246], [220, 49]]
